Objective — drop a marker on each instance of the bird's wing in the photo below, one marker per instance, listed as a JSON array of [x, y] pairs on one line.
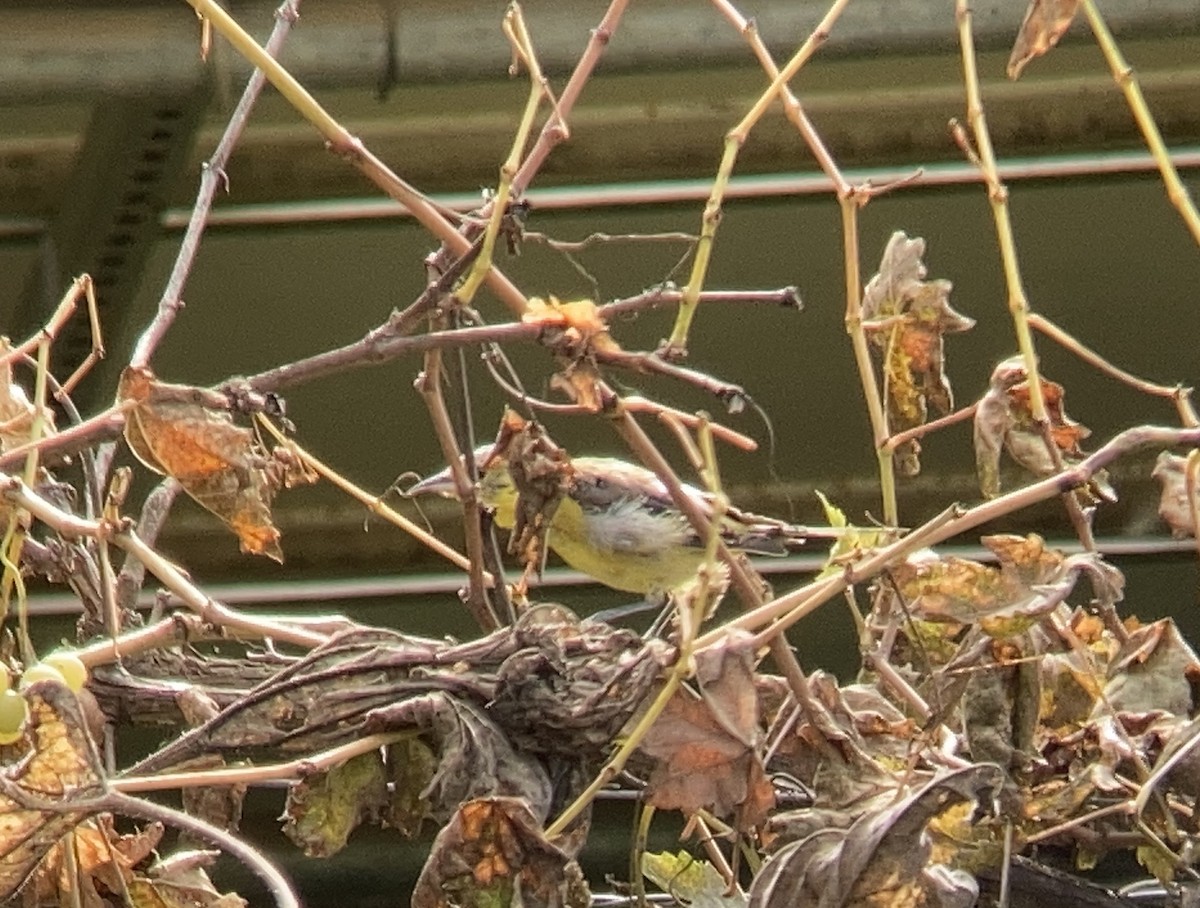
[[600, 483], [603, 485]]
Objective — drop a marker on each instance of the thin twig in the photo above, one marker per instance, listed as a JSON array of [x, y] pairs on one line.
[[212, 176], [676, 345], [1124, 76], [342, 143], [787, 297], [124, 536], [555, 129], [933, 425], [155, 510], [518, 36], [984, 156], [1181, 395], [429, 385], [250, 775], [850, 199], [746, 582], [372, 503], [276, 883], [949, 524], [851, 265]]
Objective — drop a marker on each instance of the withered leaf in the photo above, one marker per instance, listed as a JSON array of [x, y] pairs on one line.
[[1004, 421], [1180, 501], [912, 317], [885, 858], [705, 748], [1046, 21], [324, 808], [62, 766], [1004, 601], [410, 765], [476, 758], [180, 880], [575, 332], [541, 472], [100, 855], [220, 805], [1154, 670], [578, 320], [220, 465], [493, 853]]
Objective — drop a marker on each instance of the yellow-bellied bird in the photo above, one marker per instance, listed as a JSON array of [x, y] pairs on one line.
[[618, 524]]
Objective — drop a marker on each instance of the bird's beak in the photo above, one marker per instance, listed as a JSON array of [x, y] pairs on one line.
[[441, 483]]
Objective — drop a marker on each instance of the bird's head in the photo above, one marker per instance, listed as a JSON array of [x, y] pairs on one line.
[[495, 489]]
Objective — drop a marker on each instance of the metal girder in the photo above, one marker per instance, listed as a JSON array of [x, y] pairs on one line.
[[132, 154]]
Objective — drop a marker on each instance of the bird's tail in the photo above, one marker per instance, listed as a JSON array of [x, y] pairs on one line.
[[767, 536]]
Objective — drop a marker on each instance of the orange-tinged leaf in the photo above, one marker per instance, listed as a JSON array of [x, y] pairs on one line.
[[1046, 21], [580, 319], [1004, 422], [493, 852], [576, 332], [220, 465], [62, 766]]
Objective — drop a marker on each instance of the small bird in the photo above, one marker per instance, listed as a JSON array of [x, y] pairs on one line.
[[618, 524]]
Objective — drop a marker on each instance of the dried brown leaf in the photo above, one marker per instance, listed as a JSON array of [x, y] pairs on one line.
[[1177, 506], [885, 858], [1046, 21], [62, 766], [541, 472], [705, 748], [220, 465], [493, 852], [100, 855], [476, 757], [411, 765], [180, 880], [913, 316], [1154, 670], [1004, 421]]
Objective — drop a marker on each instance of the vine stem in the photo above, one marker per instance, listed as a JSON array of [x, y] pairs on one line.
[[342, 143], [1124, 76], [212, 176], [518, 36], [850, 199], [676, 345], [373, 503], [249, 775], [122, 535], [774, 617], [850, 203], [1018, 302], [276, 883]]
